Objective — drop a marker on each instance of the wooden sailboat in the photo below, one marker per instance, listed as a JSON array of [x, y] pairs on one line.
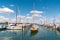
[[33, 29]]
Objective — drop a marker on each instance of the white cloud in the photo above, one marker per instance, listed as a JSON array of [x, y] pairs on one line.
[[29, 17], [12, 20], [18, 19], [58, 21], [27, 14], [51, 20], [6, 10], [37, 15], [3, 6], [41, 20], [20, 16], [2, 18], [36, 11], [11, 5]]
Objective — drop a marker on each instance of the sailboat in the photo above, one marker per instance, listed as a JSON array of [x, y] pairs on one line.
[[33, 29]]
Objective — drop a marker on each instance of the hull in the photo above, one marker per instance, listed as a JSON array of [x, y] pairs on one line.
[[58, 29], [1, 29], [34, 30]]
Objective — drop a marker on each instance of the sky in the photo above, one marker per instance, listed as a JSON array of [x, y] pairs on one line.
[[50, 8]]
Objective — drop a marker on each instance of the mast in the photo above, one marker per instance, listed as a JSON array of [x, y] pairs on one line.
[[19, 16], [54, 22], [16, 14], [33, 13]]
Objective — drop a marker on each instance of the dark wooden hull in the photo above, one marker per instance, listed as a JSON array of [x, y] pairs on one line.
[[34, 30]]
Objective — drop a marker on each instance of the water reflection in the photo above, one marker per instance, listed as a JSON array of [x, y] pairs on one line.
[[10, 34], [42, 34], [33, 34]]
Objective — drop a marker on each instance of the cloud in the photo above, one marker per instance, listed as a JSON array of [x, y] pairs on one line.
[[29, 17], [6, 10], [11, 5], [58, 21], [2, 18], [49, 20], [27, 14], [21, 16], [37, 15], [36, 11], [3, 6], [12, 20]]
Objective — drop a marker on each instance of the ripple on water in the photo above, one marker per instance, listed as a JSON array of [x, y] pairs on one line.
[[43, 34], [10, 34]]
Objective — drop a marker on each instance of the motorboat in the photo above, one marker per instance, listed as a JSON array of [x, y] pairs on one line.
[[3, 27]]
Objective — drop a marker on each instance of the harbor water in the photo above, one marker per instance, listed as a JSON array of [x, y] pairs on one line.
[[42, 34]]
